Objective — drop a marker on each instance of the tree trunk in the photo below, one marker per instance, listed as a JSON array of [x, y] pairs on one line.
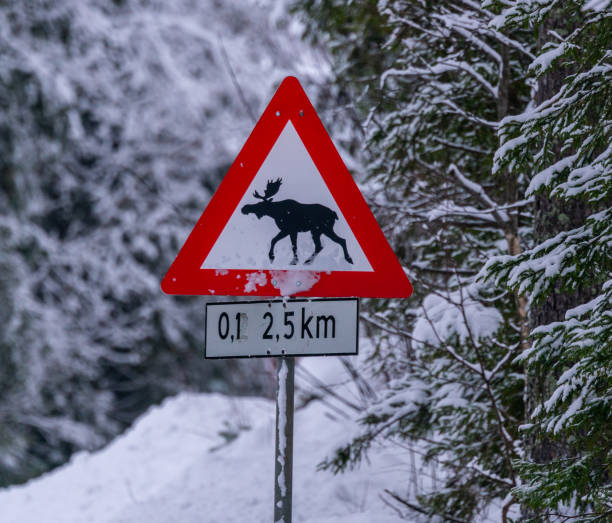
[[551, 216]]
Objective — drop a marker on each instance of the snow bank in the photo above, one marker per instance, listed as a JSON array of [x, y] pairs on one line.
[[208, 458]]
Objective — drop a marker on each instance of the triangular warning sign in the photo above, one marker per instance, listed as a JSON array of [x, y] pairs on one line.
[[287, 219]]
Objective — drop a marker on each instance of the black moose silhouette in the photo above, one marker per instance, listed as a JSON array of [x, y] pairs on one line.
[[292, 217]]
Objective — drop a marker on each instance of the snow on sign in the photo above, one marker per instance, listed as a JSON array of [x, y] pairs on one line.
[[287, 219]]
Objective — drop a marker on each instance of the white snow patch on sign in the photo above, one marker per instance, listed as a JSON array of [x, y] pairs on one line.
[[254, 279], [292, 282], [245, 240]]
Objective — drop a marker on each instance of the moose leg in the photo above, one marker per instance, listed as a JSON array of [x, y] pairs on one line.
[[340, 241], [293, 237], [316, 238], [279, 236]]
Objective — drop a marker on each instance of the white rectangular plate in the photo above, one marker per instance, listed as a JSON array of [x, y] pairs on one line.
[[315, 327]]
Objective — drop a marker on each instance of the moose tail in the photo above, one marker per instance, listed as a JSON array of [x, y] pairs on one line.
[[335, 215]]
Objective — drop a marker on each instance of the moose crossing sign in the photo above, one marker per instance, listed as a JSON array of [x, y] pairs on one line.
[[287, 219]]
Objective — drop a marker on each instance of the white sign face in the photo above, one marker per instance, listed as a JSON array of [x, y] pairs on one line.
[[277, 328], [287, 205]]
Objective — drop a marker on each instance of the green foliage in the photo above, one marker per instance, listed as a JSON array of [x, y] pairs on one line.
[[563, 144], [458, 146], [430, 97]]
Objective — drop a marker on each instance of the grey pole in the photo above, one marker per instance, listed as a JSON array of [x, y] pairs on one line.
[[283, 469]]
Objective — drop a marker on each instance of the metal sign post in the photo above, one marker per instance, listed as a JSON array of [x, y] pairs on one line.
[[283, 469]]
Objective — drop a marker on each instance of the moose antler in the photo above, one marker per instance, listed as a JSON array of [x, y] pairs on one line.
[[271, 189]]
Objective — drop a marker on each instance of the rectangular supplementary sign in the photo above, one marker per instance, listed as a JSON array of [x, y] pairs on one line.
[[314, 327]]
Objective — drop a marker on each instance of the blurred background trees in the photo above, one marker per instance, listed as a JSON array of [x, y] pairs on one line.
[[118, 121]]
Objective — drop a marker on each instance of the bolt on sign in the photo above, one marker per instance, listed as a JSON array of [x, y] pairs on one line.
[[287, 219]]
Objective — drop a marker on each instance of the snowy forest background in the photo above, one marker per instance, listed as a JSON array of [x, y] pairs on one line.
[[481, 135]]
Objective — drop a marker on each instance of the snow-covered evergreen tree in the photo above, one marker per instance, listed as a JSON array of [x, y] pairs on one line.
[[563, 144], [488, 151], [432, 80], [117, 121]]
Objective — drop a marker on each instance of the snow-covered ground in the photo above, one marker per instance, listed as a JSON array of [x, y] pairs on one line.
[[208, 458]]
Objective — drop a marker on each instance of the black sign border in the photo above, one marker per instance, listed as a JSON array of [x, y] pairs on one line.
[[297, 300]]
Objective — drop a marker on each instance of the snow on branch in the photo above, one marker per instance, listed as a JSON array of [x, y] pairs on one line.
[[479, 193], [443, 318]]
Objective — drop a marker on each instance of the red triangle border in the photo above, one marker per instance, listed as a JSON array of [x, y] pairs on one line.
[[387, 280]]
